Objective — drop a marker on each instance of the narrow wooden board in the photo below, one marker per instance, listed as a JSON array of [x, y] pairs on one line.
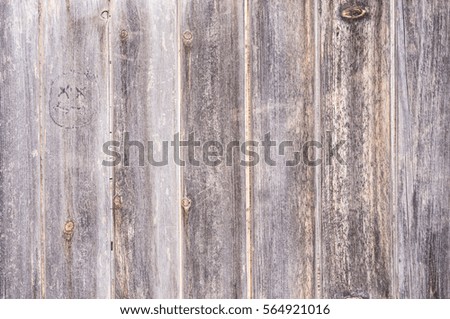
[[146, 203], [357, 220], [20, 214], [74, 126], [423, 151], [212, 84], [282, 104]]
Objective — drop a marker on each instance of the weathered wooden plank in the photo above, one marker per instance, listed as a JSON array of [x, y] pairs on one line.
[[74, 124], [423, 148], [212, 84], [147, 204], [20, 219], [282, 104], [384, 214], [357, 221]]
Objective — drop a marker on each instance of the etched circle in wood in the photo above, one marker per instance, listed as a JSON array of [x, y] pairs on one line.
[[74, 99], [105, 14]]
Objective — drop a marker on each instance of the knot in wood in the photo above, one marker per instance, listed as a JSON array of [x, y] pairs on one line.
[[186, 203], [353, 12], [187, 37], [123, 34], [68, 229]]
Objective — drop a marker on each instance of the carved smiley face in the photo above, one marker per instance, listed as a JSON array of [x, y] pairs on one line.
[[72, 102]]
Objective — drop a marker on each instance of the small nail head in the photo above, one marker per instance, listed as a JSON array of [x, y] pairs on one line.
[[353, 12]]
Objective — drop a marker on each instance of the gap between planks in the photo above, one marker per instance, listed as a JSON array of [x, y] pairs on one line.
[[179, 168], [41, 148], [393, 144], [248, 137], [318, 169], [112, 185]]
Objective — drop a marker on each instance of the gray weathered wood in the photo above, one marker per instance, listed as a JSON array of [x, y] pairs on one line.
[[212, 84], [423, 151], [282, 83], [74, 75], [357, 221], [146, 202], [74, 125], [20, 214]]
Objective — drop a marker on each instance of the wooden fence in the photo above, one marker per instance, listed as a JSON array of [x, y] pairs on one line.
[[369, 77]]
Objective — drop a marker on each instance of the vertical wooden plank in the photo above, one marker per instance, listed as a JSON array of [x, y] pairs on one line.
[[355, 105], [74, 124], [212, 84], [423, 174], [20, 252], [146, 202], [282, 83]]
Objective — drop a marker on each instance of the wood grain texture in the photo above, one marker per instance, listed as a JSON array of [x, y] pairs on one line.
[[20, 220], [212, 87], [146, 202], [74, 125], [423, 152], [74, 75], [282, 84], [355, 106]]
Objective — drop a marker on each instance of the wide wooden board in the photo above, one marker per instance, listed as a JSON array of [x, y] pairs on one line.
[[282, 108], [144, 103], [212, 108]]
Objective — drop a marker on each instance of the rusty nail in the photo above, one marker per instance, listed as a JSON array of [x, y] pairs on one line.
[[353, 12], [69, 226]]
